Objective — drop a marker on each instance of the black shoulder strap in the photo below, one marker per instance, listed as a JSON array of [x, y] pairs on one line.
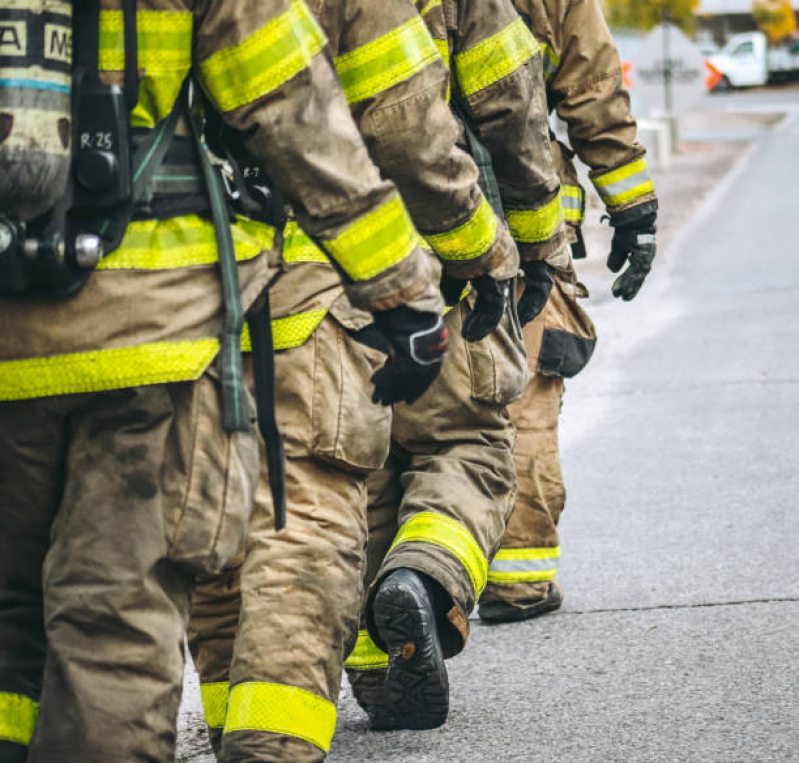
[[131, 39]]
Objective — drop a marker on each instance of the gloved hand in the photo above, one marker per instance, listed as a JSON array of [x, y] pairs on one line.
[[539, 278], [636, 243], [418, 341], [491, 300]]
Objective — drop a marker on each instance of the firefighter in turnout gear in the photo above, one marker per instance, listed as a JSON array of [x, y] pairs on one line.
[[128, 462], [269, 636], [585, 88], [439, 508]]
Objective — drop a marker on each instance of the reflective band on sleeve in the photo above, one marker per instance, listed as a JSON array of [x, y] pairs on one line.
[[443, 49], [270, 57], [496, 57], [367, 655], [628, 183], [279, 709], [470, 240], [180, 242], [551, 62], [438, 530], [524, 565], [214, 697], [531, 226], [392, 58], [17, 718], [374, 243], [292, 331], [572, 200], [298, 247], [101, 370]]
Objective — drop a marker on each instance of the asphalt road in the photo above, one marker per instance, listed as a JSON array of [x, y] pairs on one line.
[[678, 639]]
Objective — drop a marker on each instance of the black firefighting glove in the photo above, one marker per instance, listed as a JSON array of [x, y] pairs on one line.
[[634, 242], [539, 278], [491, 300], [417, 342]]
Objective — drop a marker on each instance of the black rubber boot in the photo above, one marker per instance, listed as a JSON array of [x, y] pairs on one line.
[[416, 688], [496, 612]]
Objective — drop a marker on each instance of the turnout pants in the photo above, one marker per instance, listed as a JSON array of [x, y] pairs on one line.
[[441, 503], [270, 636], [109, 504]]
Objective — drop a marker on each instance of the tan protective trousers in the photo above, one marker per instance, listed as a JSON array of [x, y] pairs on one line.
[[109, 504], [278, 628], [442, 501]]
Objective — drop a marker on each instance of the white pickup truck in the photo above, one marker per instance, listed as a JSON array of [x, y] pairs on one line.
[[747, 61]]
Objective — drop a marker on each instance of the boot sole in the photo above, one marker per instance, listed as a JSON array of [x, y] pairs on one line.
[[417, 687]]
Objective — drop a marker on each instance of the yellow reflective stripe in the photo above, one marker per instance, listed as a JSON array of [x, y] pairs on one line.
[[182, 242], [292, 331], [625, 184], [214, 697], [367, 655], [551, 61], [392, 58], [531, 226], [495, 58], [524, 565], [443, 49], [374, 243], [438, 530], [470, 240], [572, 201], [430, 6], [280, 709], [18, 715], [298, 247], [267, 59], [101, 370]]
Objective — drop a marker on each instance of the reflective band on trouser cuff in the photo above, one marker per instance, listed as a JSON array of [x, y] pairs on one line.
[[390, 59], [572, 200], [470, 240], [366, 655], [374, 243], [495, 58], [625, 184], [289, 332], [279, 709], [267, 59], [214, 697], [438, 530], [102, 370], [551, 62], [531, 226], [524, 565], [17, 718]]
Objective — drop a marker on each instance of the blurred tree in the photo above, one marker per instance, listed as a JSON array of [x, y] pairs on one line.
[[647, 14], [775, 18]]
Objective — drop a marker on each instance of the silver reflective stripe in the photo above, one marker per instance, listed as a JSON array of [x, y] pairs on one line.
[[524, 565], [625, 184], [628, 184], [571, 202]]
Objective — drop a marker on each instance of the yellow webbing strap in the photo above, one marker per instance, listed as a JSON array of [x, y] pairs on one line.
[[524, 565], [279, 709], [531, 226], [375, 242], [215, 697], [267, 59], [470, 240], [367, 655], [18, 715], [164, 53], [383, 63], [289, 332], [495, 57], [109, 369], [625, 184], [438, 530]]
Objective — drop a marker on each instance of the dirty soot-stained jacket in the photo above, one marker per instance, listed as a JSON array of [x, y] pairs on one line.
[[153, 310], [585, 86]]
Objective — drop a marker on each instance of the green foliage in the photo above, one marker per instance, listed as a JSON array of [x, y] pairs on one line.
[[647, 14]]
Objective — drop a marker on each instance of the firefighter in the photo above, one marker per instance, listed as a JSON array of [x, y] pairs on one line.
[[128, 461], [585, 88]]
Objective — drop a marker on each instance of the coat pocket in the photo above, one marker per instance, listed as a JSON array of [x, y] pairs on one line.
[[569, 337]]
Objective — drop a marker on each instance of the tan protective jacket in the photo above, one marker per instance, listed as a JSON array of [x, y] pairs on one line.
[[586, 88], [152, 312], [497, 85]]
